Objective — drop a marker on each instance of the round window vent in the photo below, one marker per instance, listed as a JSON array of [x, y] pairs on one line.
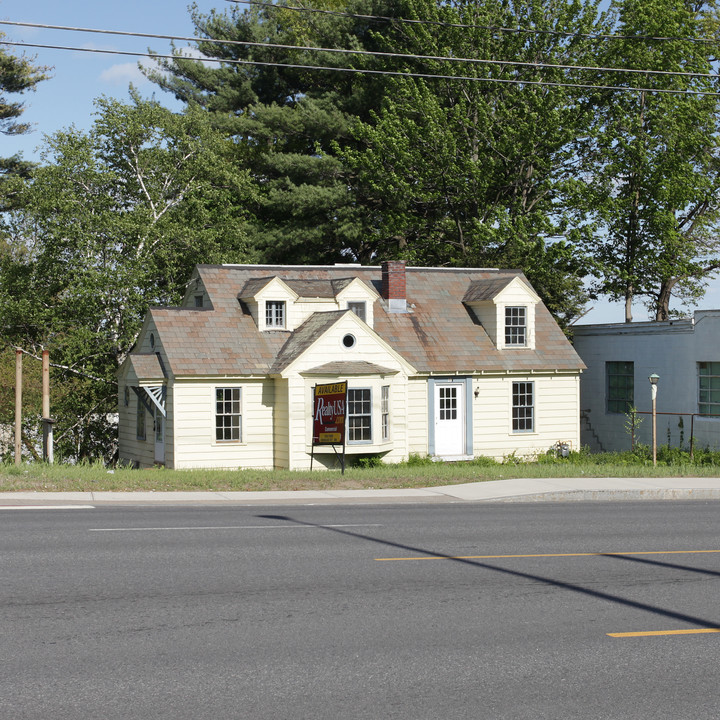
[[349, 341]]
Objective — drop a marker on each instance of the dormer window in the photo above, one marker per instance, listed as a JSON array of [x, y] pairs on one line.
[[275, 314], [516, 326], [358, 308]]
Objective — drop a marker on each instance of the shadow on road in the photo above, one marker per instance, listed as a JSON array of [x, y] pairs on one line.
[[690, 619]]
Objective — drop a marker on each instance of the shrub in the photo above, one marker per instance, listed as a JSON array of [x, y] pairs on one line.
[[483, 461], [416, 460], [366, 461]]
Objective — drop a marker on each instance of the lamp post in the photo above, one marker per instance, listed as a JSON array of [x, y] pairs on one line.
[[653, 394]]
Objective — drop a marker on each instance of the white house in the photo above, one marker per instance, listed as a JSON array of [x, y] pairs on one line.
[[451, 363], [685, 353]]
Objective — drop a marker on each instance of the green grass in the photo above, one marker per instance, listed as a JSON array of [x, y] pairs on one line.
[[417, 472]]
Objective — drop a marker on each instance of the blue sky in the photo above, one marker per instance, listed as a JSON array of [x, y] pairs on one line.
[[78, 77]]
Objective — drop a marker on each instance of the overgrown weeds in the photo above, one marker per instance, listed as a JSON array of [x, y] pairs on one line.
[[418, 471]]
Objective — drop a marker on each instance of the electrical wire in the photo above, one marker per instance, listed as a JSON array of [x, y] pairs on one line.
[[370, 53], [491, 28], [424, 76]]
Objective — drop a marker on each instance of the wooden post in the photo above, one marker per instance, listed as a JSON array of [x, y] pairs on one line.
[[46, 420], [45, 383], [18, 407]]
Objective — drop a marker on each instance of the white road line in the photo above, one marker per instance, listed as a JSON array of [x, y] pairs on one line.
[[47, 507], [233, 527]]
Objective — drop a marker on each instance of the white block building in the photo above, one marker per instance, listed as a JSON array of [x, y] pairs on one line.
[[685, 353]]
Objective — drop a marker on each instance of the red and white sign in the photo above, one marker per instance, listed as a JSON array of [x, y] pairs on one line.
[[329, 402]]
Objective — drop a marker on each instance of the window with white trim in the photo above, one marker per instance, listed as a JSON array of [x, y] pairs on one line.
[[709, 388], [523, 407], [516, 326], [228, 415], [359, 415], [358, 308], [385, 411], [275, 313]]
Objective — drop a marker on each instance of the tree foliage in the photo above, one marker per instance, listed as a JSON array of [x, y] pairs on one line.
[[450, 172], [113, 221], [288, 119], [472, 168], [18, 75], [500, 141], [652, 167]]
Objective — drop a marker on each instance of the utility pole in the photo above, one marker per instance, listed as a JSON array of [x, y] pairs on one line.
[[18, 406], [47, 421]]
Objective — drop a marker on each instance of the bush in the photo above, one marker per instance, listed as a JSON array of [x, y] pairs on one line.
[[416, 460], [366, 461], [483, 461]]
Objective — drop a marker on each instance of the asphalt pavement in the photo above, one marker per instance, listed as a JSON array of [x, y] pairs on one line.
[[514, 490]]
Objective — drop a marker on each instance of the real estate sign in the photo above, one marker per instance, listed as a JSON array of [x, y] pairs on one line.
[[329, 414]]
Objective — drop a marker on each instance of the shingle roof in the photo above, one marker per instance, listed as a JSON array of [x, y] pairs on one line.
[[486, 289], [254, 286], [357, 367], [299, 341], [312, 288], [438, 334], [146, 366]]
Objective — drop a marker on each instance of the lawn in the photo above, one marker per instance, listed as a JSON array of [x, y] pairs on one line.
[[419, 472]]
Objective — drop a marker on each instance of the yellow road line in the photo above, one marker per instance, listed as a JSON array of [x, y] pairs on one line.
[[548, 555], [698, 631]]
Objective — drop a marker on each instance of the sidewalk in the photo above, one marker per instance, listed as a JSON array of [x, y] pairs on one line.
[[527, 490]]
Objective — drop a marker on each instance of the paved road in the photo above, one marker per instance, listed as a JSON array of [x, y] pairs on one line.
[[403, 611]]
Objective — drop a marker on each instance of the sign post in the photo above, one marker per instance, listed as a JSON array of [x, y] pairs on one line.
[[329, 403]]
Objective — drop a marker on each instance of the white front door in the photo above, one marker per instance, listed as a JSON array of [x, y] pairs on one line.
[[159, 437], [449, 420]]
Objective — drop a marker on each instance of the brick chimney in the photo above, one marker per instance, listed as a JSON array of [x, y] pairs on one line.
[[393, 285]]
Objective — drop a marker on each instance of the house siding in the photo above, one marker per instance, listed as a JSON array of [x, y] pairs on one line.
[[436, 338], [281, 425], [133, 450], [194, 431], [170, 427], [417, 427], [556, 404]]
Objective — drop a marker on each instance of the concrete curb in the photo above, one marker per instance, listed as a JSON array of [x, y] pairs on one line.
[[613, 495], [497, 491]]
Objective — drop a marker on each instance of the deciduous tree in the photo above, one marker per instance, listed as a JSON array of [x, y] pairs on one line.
[[652, 170], [472, 168], [112, 221]]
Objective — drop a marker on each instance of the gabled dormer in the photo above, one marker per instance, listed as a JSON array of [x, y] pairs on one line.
[[269, 301], [277, 304], [506, 309], [196, 295], [353, 294]]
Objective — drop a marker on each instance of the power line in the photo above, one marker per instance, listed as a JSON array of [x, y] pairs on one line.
[[370, 53], [424, 76], [491, 28]]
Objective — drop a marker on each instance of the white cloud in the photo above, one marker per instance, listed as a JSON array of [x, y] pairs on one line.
[[123, 74], [192, 52]]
